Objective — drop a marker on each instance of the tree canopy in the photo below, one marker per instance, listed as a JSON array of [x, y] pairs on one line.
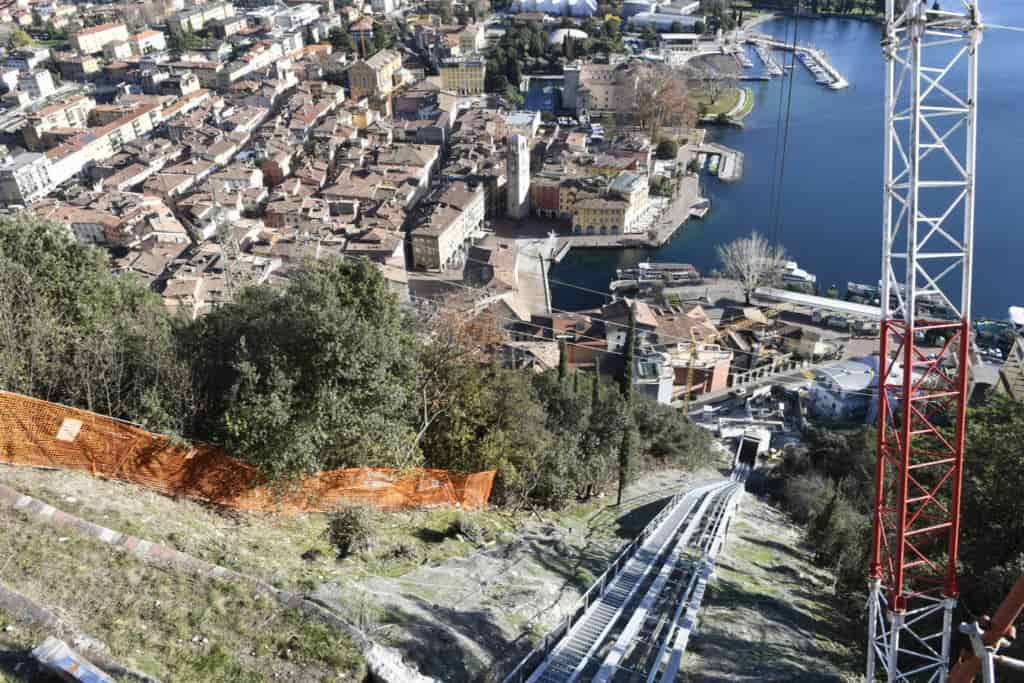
[[327, 371], [312, 377]]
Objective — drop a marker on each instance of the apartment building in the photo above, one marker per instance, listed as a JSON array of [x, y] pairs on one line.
[[77, 67], [91, 41], [196, 18], [26, 59], [38, 84], [615, 212], [25, 178], [72, 113], [145, 42], [463, 75], [443, 239]]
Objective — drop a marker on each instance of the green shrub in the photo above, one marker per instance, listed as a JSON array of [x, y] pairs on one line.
[[806, 496], [465, 526], [403, 549], [667, 149], [350, 529]]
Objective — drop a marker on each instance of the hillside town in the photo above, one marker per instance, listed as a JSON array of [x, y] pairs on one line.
[[208, 146], [338, 325]]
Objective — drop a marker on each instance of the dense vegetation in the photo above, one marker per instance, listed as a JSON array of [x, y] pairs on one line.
[[828, 486], [328, 371], [525, 50]]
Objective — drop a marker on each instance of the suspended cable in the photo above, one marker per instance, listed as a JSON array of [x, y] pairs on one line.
[[770, 213], [777, 229]]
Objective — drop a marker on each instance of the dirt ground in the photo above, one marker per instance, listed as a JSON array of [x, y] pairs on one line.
[[767, 615], [462, 619]]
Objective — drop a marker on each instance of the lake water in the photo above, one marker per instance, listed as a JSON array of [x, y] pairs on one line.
[[832, 189]]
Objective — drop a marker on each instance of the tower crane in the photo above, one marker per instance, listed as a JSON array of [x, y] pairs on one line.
[[931, 91]]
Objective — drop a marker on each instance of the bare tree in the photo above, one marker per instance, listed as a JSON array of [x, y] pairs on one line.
[[662, 99], [752, 261]]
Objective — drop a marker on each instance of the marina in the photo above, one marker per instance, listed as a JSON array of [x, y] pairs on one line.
[[764, 53], [812, 58]]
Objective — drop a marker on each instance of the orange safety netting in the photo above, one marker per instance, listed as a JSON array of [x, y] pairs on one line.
[[42, 434]]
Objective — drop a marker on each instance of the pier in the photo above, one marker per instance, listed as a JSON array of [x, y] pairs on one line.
[[764, 53], [811, 57], [730, 163]]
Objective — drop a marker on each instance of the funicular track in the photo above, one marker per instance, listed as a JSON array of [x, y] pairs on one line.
[[636, 625]]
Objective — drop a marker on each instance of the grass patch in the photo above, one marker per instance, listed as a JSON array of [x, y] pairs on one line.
[[748, 105], [172, 626], [289, 552], [728, 99]]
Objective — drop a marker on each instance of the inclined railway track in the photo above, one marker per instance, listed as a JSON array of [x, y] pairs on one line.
[[635, 622]]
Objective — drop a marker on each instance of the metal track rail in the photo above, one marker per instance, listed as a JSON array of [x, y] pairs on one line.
[[637, 604]]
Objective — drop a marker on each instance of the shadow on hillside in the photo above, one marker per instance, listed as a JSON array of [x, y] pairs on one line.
[[770, 654], [17, 665], [628, 526], [431, 643], [775, 546], [430, 535]]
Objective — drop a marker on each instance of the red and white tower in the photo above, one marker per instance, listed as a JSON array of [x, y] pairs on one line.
[[930, 121]]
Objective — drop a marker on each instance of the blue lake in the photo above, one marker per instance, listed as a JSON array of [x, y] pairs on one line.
[[831, 202]]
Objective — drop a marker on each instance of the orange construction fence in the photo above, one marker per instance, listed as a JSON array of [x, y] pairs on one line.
[[41, 434]]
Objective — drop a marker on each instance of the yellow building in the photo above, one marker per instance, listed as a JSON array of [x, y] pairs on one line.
[[363, 118], [464, 76], [617, 211], [375, 77], [600, 216]]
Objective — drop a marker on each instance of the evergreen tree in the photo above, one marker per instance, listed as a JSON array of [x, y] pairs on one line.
[[563, 361], [626, 379], [625, 458], [576, 384], [341, 40], [626, 387]]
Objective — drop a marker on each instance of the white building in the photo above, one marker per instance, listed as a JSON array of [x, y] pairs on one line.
[[663, 21], [120, 49], [9, 79], [518, 186], [91, 41], [524, 123], [844, 391], [574, 8], [383, 6], [38, 84], [25, 178], [27, 59], [145, 42]]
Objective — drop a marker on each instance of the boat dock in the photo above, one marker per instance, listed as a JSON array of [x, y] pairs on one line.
[[764, 53], [730, 161], [815, 60]]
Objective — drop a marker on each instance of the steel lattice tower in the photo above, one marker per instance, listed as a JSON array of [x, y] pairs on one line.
[[930, 120]]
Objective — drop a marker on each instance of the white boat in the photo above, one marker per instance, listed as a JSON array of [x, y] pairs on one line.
[[791, 272]]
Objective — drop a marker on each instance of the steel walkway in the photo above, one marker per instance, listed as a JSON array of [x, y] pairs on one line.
[[570, 657]]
